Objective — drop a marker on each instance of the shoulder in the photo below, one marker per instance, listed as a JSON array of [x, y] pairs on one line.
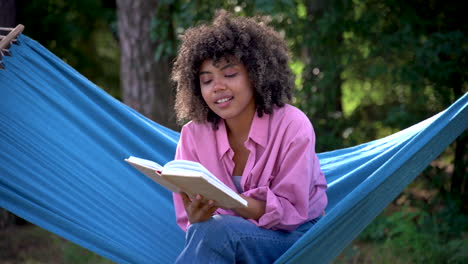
[[189, 147], [194, 128], [290, 116], [194, 131]]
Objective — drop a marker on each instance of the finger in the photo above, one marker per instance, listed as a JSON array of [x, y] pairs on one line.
[[209, 207], [213, 210], [197, 202], [185, 199], [213, 207]]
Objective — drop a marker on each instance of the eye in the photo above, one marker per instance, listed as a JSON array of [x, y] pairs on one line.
[[205, 79], [230, 75]]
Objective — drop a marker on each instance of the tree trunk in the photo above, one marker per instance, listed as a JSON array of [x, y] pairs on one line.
[[322, 75], [459, 177], [459, 183], [145, 83], [8, 13], [331, 103]]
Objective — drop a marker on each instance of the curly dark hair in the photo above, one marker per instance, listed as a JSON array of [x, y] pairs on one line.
[[261, 50]]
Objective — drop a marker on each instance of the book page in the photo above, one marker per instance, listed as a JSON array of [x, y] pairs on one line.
[[191, 166], [153, 171], [189, 177], [177, 170], [148, 163], [193, 185]]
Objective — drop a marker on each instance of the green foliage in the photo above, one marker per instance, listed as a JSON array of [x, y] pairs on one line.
[[173, 17], [421, 234], [368, 67], [375, 67], [75, 254], [82, 33]]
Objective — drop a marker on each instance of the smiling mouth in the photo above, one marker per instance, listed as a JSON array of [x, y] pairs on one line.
[[223, 100]]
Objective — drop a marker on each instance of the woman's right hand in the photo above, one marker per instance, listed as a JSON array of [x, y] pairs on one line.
[[197, 209]]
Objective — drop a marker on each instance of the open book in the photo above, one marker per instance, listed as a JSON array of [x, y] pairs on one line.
[[191, 178]]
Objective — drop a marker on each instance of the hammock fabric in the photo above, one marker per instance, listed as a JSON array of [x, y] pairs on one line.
[[62, 147]]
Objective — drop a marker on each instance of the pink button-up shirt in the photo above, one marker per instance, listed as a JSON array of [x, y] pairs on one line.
[[282, 168]]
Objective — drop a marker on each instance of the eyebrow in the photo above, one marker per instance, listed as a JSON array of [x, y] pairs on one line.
[[222, 68]]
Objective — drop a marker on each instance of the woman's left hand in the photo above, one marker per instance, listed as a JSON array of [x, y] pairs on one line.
[[198, 209]]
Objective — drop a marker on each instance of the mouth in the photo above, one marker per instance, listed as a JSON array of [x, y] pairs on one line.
[[224, 100]]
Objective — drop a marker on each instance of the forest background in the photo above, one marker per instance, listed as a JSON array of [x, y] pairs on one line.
[[364, 69]]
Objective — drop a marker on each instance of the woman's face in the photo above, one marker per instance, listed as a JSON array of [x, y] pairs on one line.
[[226, 89]]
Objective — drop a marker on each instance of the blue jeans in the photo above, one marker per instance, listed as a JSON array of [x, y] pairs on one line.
[[232, 239]]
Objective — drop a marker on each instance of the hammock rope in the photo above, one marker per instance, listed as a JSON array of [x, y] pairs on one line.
[[63, 142], [7, 40]]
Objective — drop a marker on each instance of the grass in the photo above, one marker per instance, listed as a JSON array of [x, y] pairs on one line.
[[29, 244]]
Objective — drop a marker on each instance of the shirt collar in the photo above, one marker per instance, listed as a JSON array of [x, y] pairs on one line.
[[258, 133], [222, 139], [259, 129]]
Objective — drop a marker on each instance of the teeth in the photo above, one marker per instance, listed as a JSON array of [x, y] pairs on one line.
[[223, 100]]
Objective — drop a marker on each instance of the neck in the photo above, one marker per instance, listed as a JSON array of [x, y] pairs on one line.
[[238, 128]]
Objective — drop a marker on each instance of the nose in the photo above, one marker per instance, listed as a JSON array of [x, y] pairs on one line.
[[219, 85]]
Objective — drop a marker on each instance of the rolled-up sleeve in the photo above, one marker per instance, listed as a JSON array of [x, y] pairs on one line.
[[288, 195]]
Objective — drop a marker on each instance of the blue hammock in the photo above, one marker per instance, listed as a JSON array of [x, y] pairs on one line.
[[63, 141]]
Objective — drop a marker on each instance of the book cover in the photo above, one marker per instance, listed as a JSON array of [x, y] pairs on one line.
[[191, 178]]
